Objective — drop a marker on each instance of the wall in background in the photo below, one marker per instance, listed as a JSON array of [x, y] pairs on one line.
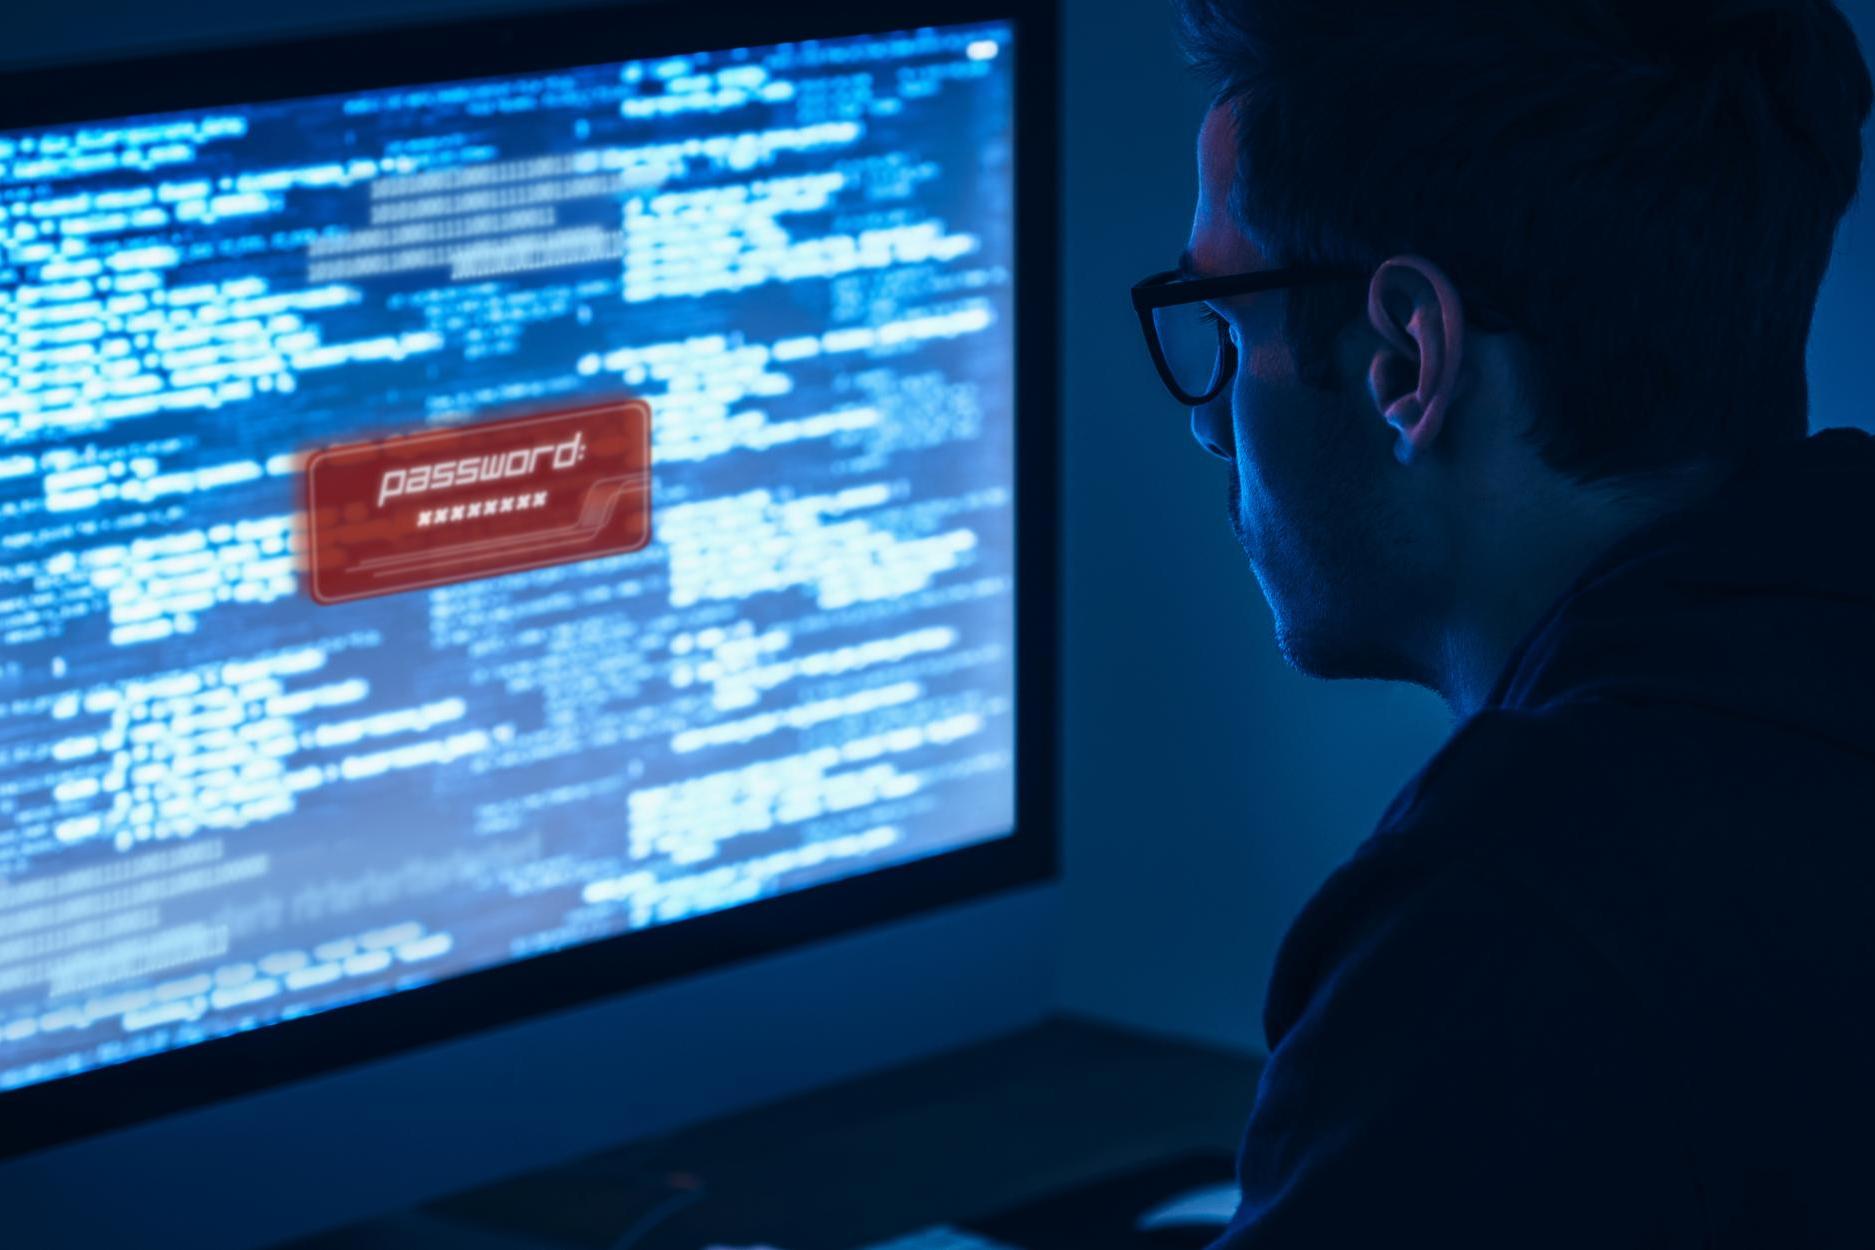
[[1842, 369], [1209, 787]]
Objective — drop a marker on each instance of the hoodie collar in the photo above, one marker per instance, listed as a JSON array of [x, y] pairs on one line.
[[1759, 600]]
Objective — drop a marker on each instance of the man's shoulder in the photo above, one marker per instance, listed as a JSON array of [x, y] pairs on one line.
[[1608, 826], [1506, 831], [1505, 766], [1433, 1017]]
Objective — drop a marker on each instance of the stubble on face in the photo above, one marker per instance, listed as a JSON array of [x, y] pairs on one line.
[[1296, 658]]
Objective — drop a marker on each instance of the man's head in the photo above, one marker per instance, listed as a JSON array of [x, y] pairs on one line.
[[1647, 191]]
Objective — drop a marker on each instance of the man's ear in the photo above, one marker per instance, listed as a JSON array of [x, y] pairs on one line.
[[1414, 377]]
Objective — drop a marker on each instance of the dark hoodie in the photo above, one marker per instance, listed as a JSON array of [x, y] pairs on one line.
[[1605, 974]]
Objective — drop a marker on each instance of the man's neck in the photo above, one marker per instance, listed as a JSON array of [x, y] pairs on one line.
[[1521, 571]]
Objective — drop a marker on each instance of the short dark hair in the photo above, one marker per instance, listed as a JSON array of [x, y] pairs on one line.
[[1650, 188]]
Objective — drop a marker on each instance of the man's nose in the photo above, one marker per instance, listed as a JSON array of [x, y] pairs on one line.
[[1210, 426]]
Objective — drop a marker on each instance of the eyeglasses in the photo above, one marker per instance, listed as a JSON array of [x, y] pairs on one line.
[[1190, 343]]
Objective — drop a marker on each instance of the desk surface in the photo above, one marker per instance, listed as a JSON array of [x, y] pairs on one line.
[[968, 1133]]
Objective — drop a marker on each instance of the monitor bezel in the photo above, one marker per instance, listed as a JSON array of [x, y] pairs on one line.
[[100, 1100]]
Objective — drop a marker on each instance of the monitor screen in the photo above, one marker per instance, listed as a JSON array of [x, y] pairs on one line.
[[225, 804]]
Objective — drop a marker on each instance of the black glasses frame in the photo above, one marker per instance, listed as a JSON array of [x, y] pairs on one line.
[[1173, 288]]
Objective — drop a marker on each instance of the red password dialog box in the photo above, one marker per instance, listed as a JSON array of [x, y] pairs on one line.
[[478, 500]]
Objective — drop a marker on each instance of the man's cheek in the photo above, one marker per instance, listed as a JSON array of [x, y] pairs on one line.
[[1270, 361], [1256, 423]]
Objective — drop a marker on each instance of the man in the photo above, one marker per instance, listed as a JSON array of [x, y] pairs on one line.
[[1514, 407]]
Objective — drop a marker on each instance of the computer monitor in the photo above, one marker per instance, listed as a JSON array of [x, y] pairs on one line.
[[249, 832]]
